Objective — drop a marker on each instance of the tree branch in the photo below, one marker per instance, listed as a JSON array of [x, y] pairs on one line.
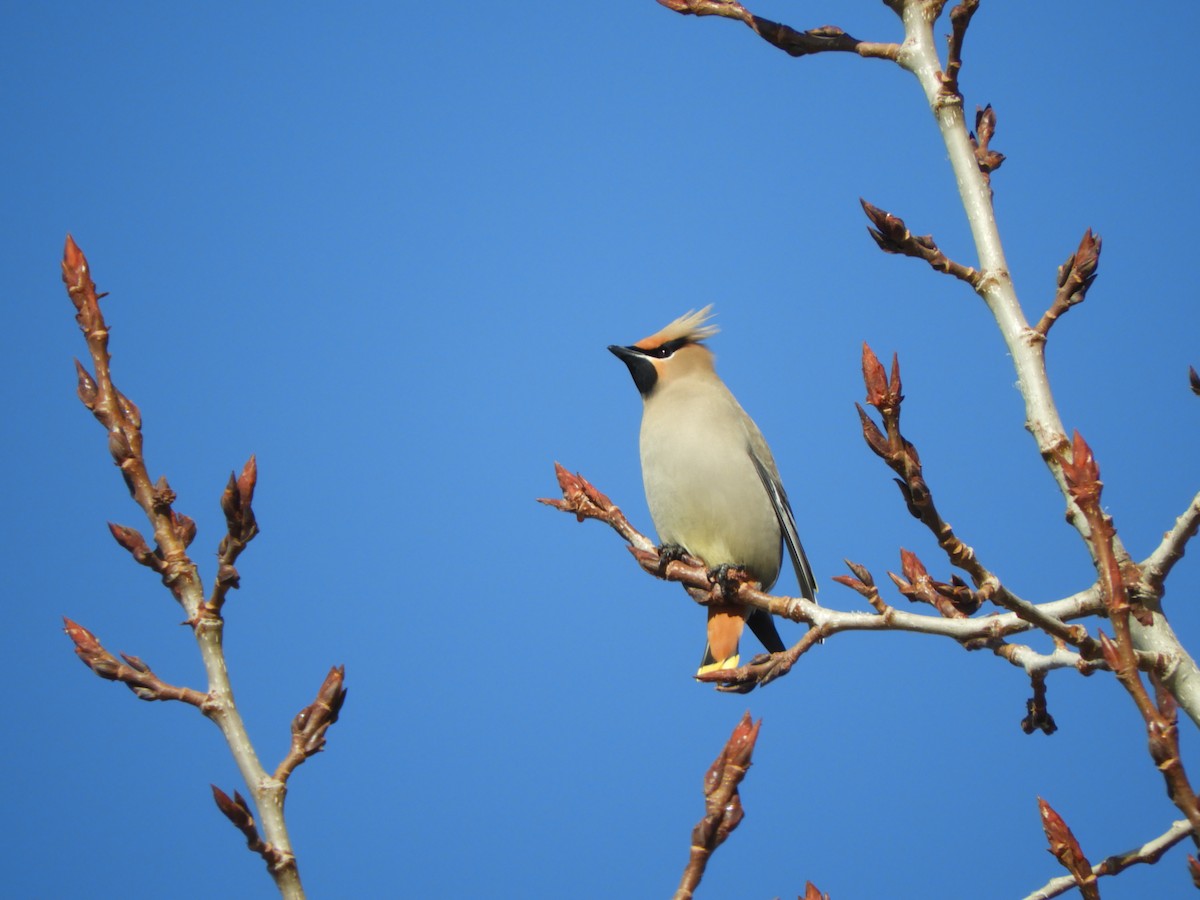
[[891, 235], [826, 39], [723, 806], [1067, 851], [173, 532], [134, 674], [960, 18], [1150, 852], [585, 501], [1157, 566], [1025, 345], [311, 723], [1083, 481], [1075, 276]]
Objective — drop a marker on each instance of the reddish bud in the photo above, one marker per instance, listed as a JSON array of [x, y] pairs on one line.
[[128, 538], [89, 650], [227, 575], [911, 566], [874, 377], [875, 438], [163, 495], [135, 663], [185, 528], [1081, 472], [985, 123], [1066, 849], [742, 741], [231, 502], [84, 640], [75, 273], [1194, 380], [246, 482], [118, 446], [1111, 655], [85, 386], [236, 811], [129, 410], [311, 723]]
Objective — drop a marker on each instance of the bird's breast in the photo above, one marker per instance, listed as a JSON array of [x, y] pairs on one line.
[[702, 488]]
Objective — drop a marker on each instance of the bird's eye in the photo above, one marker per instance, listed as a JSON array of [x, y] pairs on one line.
[[665, 350]]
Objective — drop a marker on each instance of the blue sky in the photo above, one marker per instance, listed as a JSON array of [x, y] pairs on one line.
[[385, 251]]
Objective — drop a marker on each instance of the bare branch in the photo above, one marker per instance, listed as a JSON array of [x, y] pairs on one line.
[[1150, 852], [583, 500], [1157, 566], [1082, 476], [311, 723], [893, 236], [722, 804], [1067, 851], [135, 674], [987, 159], [885, 394], [960, 18], [1025, 345], [792, 42], [1075, 276], [173, 532], [237, 811], [236, 503]]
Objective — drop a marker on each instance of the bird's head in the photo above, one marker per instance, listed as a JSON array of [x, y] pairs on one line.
[[677, 351]]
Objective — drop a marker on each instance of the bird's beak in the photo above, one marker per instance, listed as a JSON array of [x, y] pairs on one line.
[[640, 366], [625, 354]]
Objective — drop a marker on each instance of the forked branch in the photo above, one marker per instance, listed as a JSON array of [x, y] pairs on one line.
[[172, 532]]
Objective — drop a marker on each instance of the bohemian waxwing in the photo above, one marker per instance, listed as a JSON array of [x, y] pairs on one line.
[[711, 483]]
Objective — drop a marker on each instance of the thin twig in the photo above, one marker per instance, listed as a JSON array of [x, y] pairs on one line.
[[133, 673], [892, 236], [1150, 852], [1075, 276], [827, 39], [885, 394], [1066, 849], [723, 806], [1157, 566], [960, 18], [311, 723]]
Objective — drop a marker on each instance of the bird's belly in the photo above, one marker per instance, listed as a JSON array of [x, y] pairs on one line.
[[712, 503]]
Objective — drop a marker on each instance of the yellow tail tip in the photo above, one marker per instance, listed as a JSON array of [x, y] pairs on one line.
[[731, 662]]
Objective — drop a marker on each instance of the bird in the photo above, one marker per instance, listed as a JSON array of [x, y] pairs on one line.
[[711, 482]]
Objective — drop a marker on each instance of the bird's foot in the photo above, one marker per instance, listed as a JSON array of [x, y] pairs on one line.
[[669, 553], [727, 577]]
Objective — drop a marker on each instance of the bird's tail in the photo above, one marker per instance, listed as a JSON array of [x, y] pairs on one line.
[[725, 624]]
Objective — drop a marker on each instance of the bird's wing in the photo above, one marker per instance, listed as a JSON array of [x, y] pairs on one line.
[[787, 524]]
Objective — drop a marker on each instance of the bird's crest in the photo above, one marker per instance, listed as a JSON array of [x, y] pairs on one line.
[[690, 327]]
